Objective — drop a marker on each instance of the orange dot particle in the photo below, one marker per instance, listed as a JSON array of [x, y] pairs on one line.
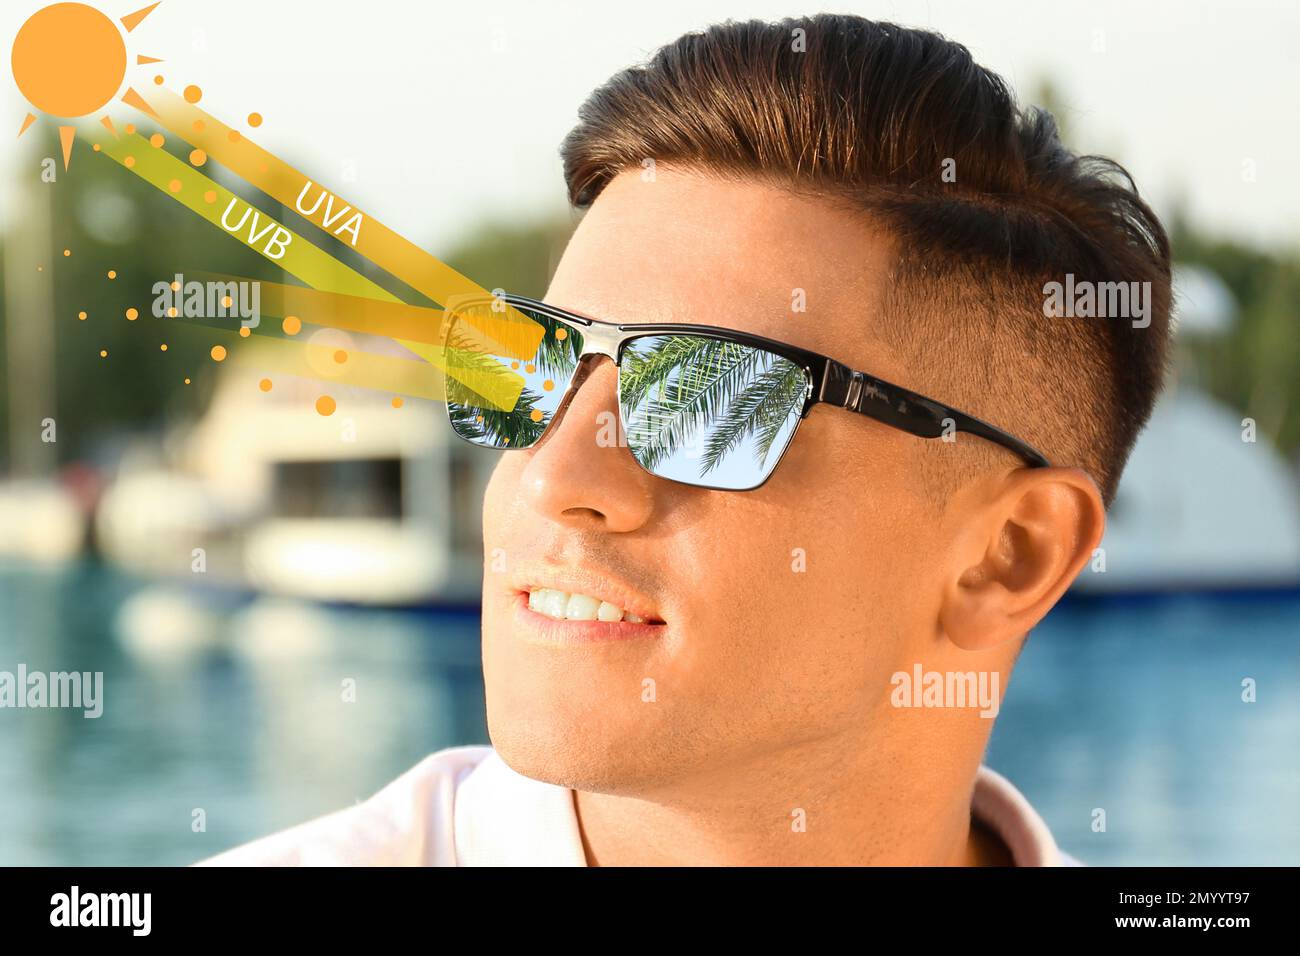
[[292, 325], [175, 286], [225, 301], [326, 405], [103, 353], [156, 140], [199, 126], [193, 94], [245, 331], [132, 315], [514, 365], [233, 136], [218, 353], [171, 311], [561, 334], [198, 157], [210, 196], [547, 385], [112, 273], [174, 185], [254, 119], [397, 401], [129, 162], [82, 316], [163, 347], [340, 356], [95, 147], [130, 128], [530, 368], [158, 80], [187, 381], [264, 384], [535, 414], [67, 252]]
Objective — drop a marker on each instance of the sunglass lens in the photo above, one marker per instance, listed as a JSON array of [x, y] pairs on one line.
[[708, 411], [482, 384]]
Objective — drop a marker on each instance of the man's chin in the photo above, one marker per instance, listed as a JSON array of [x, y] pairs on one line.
[[595, 759]]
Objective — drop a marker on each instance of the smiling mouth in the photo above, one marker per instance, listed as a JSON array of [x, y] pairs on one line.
[[573, 606]]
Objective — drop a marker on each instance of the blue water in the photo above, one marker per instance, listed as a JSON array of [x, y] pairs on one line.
[[1132, 708], [1136, 708]]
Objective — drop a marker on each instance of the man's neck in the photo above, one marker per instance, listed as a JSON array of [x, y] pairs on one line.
[[798, 808]]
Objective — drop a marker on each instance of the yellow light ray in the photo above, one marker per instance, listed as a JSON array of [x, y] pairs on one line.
[[498, 387], [132, 20], [375, 241], [28, 120], [394, 320], [108, 125], [141, 59]]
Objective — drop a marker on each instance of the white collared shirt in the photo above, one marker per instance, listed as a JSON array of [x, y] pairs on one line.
[[464, 807]]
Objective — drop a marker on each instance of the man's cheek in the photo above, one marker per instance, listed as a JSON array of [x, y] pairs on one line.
[[721, 630], [500, 500]]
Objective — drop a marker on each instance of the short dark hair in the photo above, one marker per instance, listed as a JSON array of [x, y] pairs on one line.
[[871, 115]]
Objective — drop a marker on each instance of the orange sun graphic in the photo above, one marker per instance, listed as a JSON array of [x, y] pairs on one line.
[[69, 60]]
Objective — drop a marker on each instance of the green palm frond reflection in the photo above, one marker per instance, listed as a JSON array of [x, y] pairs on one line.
[[475, 418], [692, 388]]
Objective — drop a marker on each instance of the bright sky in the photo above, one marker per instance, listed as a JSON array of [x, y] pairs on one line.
[[452, 118]]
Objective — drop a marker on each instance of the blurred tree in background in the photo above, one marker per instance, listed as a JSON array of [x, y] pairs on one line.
[[1256, 367], [519, 257]]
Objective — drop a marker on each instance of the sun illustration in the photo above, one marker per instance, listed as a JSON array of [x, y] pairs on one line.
[[69, 60]]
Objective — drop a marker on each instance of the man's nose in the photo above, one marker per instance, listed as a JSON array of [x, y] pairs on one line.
[[582, 474]]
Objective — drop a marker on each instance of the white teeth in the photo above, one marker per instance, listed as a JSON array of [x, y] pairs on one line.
[[549, 602], [563, 606], [581, 607]]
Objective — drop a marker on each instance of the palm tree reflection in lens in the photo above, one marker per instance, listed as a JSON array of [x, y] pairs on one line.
[[522, 426], [707, 396]]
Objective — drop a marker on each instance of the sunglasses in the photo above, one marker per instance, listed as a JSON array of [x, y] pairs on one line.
[[701, 405]]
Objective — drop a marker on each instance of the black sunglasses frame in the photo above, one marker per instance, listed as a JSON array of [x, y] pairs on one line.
[[829, 382]]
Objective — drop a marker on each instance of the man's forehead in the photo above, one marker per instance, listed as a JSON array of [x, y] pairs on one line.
[[739, 253]]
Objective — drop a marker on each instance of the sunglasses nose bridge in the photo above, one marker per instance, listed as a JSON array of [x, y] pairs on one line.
[[601, 339], [598, 339]]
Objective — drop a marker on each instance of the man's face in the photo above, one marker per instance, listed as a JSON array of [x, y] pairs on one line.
[[784, 609]]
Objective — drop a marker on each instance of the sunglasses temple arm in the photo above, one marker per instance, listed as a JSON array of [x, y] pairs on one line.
[[906, 410]]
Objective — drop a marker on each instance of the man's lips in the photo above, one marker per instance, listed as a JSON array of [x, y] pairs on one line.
[[565, 606], [580, 594], [535, 627]]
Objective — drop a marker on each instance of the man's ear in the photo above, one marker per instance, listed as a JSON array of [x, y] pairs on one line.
[[1023, 548]]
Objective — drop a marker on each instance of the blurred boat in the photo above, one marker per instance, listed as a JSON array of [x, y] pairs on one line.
[[1199, 508], [41, 522], [373, 505], [1206, 503]]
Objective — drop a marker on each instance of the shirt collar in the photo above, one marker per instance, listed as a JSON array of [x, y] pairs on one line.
[[503, 818], [1002, 808]]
